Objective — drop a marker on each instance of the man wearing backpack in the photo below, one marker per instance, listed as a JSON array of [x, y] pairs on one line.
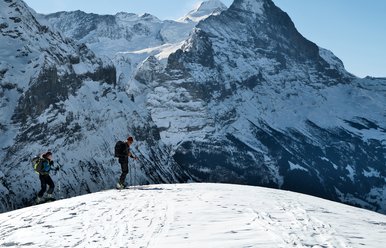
[[122, 152], [43, 167]]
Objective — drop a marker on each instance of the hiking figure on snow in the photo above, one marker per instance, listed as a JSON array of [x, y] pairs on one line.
[[122, 152], [42, 166]]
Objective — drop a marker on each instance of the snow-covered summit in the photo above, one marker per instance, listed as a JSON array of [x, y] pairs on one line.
[[204, 10], [191, 216]]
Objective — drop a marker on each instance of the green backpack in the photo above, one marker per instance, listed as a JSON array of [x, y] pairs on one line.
[[37, 164]]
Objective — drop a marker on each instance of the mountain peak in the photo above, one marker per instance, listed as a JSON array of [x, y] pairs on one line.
[[261, 25], [256, 6], [210, 5], [203, 10]]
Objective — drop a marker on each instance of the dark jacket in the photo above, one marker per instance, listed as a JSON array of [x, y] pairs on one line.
[[46, 166]]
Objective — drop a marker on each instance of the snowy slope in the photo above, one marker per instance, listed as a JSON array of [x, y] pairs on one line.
[[193, 215]]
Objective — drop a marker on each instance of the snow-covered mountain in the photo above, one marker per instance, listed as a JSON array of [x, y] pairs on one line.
[[127, 38], [247, 99], [123, 32], [57, 94], [240, 97], [193, 215]]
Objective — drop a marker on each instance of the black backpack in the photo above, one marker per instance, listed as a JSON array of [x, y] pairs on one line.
[[119, 149]]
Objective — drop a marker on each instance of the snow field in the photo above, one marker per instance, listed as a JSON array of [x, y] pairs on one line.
[[192, 215]]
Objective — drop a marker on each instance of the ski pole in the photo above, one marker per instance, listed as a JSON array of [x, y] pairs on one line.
[[134, 179], [134, 167], [60, 179], [133, 171]]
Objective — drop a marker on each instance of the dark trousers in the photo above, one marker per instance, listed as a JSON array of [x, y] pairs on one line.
[[124, 161], [44, 181]]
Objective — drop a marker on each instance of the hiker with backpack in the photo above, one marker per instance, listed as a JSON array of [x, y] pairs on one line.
[[122, 152], [42, 166]]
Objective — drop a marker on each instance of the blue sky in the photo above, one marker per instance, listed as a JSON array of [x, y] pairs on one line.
[[354, 30]]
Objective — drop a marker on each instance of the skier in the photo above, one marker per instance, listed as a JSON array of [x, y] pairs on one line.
[[43, 167], [122, 151]]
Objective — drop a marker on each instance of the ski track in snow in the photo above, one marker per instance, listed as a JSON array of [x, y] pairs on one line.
[[192, 215]]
